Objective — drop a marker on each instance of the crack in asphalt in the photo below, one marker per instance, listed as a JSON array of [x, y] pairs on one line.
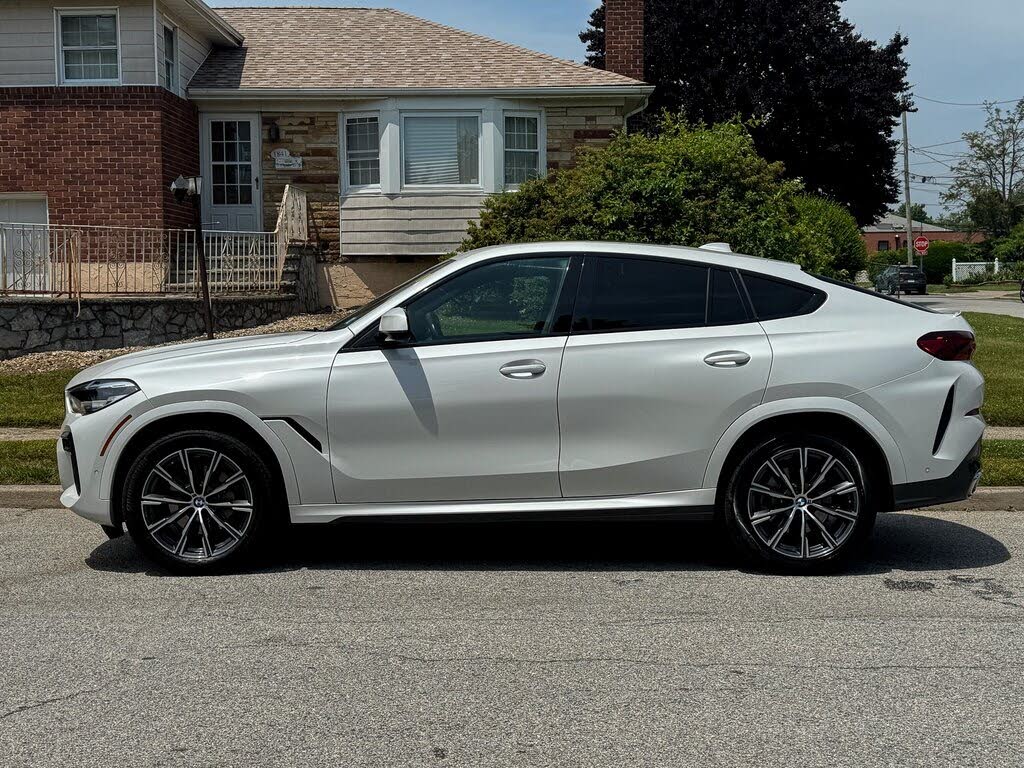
[[54, 700]]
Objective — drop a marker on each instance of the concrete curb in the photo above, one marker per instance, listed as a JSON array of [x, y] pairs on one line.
[[30, 496], [1008, 499]]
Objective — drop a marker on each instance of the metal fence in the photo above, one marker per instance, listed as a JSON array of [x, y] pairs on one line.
[[964, 269], [57, 260]]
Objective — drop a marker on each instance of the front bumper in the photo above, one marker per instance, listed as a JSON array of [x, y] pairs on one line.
[[81, 460], [944, 490]]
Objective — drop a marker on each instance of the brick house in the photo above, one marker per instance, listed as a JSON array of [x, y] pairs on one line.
[[889, 233], [396, 128]]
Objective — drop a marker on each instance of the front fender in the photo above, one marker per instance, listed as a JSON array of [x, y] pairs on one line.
[[194, 408], [804, 405]]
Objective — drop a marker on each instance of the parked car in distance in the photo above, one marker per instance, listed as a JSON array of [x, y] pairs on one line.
[[902, 279], [543, 379]]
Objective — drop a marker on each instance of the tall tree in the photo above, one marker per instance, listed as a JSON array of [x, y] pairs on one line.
[[824, 100], [988, 182], [918, 212]]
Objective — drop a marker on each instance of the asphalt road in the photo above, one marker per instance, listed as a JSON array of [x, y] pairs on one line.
[[963, 303], [563, 644]]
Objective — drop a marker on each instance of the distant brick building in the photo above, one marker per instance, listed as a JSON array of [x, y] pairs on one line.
[[890, 234]]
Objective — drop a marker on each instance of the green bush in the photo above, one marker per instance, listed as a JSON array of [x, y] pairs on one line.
[[686, 186], [1011, 247], [830, 227], [1012, 272], [938, 262]]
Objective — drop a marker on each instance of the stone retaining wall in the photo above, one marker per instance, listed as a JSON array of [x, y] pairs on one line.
[[31, 324]]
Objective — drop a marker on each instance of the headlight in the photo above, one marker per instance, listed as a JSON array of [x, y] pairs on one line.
[[96, 395]]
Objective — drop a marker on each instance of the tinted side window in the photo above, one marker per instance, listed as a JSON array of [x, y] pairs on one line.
[[505, 299], [773, 298], [725, 305], [623, 294]]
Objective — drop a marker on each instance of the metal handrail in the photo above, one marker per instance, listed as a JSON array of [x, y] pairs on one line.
[[77, 260]]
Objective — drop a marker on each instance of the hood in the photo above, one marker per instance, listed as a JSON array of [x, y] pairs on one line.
[[117, 367]]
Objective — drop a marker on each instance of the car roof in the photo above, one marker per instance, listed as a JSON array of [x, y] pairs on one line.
[[702, 255]]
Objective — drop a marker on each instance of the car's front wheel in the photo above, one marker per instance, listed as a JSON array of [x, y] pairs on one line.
[[800, 502], [198, 501]]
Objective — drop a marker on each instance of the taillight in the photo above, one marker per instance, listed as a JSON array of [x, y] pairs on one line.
[[948, 345]]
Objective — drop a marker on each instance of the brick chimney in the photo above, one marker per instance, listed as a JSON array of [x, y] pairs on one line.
[[624, 37]]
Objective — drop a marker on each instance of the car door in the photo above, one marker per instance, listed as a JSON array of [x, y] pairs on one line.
[[466, 408], [663, 357]]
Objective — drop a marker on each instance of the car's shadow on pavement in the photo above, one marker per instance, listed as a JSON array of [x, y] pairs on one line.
[[900, 542]]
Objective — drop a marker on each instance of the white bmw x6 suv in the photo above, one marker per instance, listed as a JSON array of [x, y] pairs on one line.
[[543, 379]]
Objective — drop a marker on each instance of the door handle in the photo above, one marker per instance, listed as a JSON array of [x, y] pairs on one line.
[[729, 358], [523, 369]]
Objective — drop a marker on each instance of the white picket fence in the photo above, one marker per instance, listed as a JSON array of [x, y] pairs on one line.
[[965, 269]]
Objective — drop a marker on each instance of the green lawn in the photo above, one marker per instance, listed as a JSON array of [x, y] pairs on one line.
[[29, 462], [1002, 462], [1000, 357], [973, 288], [33, 399]]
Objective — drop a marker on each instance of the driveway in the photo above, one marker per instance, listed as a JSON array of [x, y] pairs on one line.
[[493, 644], [968, 302]]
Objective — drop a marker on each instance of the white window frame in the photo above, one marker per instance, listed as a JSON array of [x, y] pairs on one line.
[[60, 13], [542, 144], [174, 87], [347, 188], [479, 186]]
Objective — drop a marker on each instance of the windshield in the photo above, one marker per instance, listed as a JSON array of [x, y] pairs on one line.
[[366, 309]]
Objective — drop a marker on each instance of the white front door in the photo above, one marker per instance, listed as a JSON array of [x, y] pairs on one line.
[[24, 251], [231, 173]]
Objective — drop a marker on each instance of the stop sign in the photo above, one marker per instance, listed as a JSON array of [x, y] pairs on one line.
[[921, 244]]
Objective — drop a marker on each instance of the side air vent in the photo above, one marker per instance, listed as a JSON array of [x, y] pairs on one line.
[[947, 414], [300, 430]]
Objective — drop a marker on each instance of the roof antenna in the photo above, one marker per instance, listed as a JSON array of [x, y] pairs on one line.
[[720, 247]]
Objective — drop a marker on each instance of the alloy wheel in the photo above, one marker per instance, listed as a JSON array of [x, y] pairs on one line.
[[197, 504], [803, 503]]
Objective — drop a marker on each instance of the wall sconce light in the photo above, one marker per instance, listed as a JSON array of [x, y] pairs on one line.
[[274, 132]]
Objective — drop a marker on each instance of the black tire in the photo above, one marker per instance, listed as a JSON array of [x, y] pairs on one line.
[[849, 532], [237, 520]]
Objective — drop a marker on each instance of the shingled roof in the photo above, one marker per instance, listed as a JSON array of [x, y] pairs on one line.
[[370, 48]]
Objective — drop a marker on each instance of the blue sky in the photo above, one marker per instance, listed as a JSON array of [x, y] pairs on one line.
[[960, 50]]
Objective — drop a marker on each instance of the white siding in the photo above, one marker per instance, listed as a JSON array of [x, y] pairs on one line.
[[28, 53], [193, 48], [405, 225]]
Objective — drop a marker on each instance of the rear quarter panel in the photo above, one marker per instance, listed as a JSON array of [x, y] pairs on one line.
[[853, 342]]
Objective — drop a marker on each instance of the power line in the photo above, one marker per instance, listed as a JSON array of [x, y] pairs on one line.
[[942, 144], [967, 103]]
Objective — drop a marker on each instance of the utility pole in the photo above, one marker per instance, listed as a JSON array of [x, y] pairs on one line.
[[906, 188]]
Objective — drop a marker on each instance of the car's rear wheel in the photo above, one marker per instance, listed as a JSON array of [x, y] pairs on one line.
[[198, 501], [799, 502]]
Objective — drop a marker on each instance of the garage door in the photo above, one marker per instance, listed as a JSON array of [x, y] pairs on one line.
[[24, 250]]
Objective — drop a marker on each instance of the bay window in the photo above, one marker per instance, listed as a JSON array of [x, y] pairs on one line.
[[522, 148], [441, 150], [362, 151], [88, 46]]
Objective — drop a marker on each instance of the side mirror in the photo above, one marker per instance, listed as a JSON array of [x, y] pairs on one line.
[[394, 325]]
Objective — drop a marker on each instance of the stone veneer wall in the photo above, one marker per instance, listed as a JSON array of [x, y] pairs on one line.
[[313, 136], [43, 324], [573, 127], [32, 324]]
